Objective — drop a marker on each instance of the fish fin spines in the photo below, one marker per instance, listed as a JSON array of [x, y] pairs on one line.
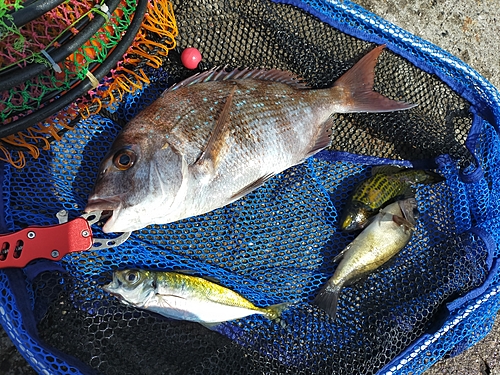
[[327, 299], [357, 88], [220, 74]]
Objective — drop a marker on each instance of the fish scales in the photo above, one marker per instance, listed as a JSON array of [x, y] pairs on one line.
[[382, 239], [282, 118], [384, 186], [210, 140], [379, 189], [261, 139], [199, 288], [196, 299], [263, 129], [185, 297]]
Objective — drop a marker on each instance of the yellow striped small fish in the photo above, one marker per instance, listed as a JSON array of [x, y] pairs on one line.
[[384, 186]]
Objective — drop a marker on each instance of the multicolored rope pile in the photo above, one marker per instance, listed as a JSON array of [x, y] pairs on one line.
[[71, 60]]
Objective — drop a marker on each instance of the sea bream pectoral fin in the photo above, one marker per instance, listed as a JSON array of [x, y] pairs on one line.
[[356, 86], [213, 151]]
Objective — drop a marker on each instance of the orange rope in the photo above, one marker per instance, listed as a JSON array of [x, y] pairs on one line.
[[160, 20]]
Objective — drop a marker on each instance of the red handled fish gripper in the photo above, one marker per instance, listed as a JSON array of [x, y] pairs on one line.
[[53, 242]]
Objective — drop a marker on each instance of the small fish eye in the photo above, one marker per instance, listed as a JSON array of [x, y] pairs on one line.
[[132, 277], [124, 159]]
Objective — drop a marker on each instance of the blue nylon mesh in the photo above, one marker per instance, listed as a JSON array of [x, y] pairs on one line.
[[274, 245]]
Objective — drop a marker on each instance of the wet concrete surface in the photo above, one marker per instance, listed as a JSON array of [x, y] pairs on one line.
[[11, 361], [469, 30]]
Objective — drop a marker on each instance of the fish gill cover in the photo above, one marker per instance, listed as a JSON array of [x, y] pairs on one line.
[[277, 243]]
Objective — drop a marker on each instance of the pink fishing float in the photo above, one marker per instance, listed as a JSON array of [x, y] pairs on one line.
[[191, 57]]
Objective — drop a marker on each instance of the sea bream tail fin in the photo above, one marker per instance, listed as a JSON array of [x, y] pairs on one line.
[[357, 88], [328, 297]]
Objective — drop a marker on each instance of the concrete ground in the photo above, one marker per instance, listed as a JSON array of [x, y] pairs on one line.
[[468, 29]]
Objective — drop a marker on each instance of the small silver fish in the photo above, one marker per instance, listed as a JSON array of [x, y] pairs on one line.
[[217, 136], [388, 234], [184, 297]]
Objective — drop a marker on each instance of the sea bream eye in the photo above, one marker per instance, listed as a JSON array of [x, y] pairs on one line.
[[124, 159]]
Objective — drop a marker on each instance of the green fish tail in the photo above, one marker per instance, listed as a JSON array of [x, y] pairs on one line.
[[419, 176], [274, 312]]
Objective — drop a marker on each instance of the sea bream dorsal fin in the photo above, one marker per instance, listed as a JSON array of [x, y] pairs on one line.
[[220, 74]]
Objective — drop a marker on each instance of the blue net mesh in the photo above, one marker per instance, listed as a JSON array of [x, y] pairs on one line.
[[435, 299]]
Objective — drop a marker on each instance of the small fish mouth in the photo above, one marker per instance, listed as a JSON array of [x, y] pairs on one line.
[[109, 289]]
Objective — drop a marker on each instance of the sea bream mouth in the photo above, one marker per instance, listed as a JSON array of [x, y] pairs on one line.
[[112, 206]]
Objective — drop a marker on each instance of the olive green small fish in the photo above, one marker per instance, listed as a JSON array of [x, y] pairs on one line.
[[388, 233], [184, 297], [384, 185]]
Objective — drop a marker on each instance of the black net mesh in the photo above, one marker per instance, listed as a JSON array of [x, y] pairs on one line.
[[379, 318]]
